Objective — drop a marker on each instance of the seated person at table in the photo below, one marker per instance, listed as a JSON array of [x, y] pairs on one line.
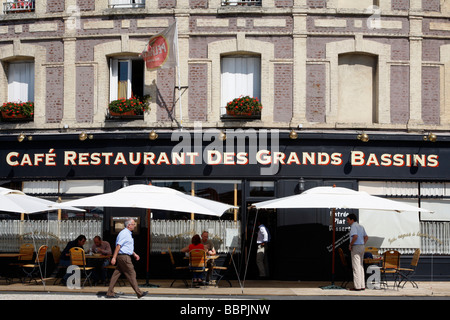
[[210, 251], [103, 248], [100, 246], [208, 244], [195, 244], [64, 259]]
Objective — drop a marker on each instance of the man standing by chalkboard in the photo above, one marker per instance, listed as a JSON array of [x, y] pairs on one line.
[[358, 238]]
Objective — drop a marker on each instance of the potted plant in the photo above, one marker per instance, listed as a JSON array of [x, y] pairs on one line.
[[128, 107], [244, 106], [17, 110]]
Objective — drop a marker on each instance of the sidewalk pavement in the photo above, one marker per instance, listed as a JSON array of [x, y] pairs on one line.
[[253, 288]]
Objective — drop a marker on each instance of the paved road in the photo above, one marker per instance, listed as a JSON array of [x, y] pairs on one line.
[[100, 296]]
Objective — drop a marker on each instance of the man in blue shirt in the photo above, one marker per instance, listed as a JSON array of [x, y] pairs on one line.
[[122, 256], [358, 238]]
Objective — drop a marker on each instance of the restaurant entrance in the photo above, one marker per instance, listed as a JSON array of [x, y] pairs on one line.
[[269, 219]]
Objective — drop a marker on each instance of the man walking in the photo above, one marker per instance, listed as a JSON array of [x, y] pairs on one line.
[[122, 256], [358, 239]]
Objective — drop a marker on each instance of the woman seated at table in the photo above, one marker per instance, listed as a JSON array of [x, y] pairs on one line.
[[196, 243]]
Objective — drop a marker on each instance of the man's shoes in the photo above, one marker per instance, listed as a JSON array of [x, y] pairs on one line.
[[142, 295], [112, 297]]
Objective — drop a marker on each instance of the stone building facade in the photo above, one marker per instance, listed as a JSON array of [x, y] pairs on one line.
[[323, 64]]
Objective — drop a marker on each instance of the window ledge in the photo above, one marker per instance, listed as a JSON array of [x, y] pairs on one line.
[[240, 118]]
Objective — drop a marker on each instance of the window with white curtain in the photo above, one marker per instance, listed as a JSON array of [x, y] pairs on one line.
[[407, 231], [21, 81], [126, 78], [240, 76]]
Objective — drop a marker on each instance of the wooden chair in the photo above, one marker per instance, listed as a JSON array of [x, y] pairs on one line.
[[391, 263], [347, 269], [221, 272], [78, 258], [59, 270], [32, 270], [197, 265], [178, 272], [27, 252], [406, 274]]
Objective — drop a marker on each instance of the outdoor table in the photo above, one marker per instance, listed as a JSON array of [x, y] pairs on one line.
[[98, 256], [97, 260], [207, 257], [9, 255]]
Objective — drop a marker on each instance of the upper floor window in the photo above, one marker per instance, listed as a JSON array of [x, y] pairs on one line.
[[127, 78], [21, 81], [13, 6], [240, 76], [126, 3], [358, 73]]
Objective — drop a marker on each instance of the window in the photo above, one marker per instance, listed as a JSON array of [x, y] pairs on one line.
[[127, 78], [407, 231], [241, 76], [21, 81], [126, 3], [13, 6], [262, 189]]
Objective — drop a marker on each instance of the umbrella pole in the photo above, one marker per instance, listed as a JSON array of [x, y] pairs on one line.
[[333, 254], [147, 276], [249, 250]]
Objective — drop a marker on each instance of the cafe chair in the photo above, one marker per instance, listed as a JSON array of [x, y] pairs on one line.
[[59, 271], [405, 274], [197, 266], [391, 263], [223, 272], [78, 258], [346, 267], [36, 269], [27, 252], [178, 272]]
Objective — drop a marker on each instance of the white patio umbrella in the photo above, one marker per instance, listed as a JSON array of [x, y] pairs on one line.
[[337, 197], [17, 201], [153, 197]]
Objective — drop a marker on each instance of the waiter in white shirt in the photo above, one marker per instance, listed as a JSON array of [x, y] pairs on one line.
[[262, 242]]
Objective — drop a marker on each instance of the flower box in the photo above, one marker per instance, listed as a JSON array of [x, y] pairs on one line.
[[244, 106], [118, 114], [17, 110], [239, 114], [131, 107]]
